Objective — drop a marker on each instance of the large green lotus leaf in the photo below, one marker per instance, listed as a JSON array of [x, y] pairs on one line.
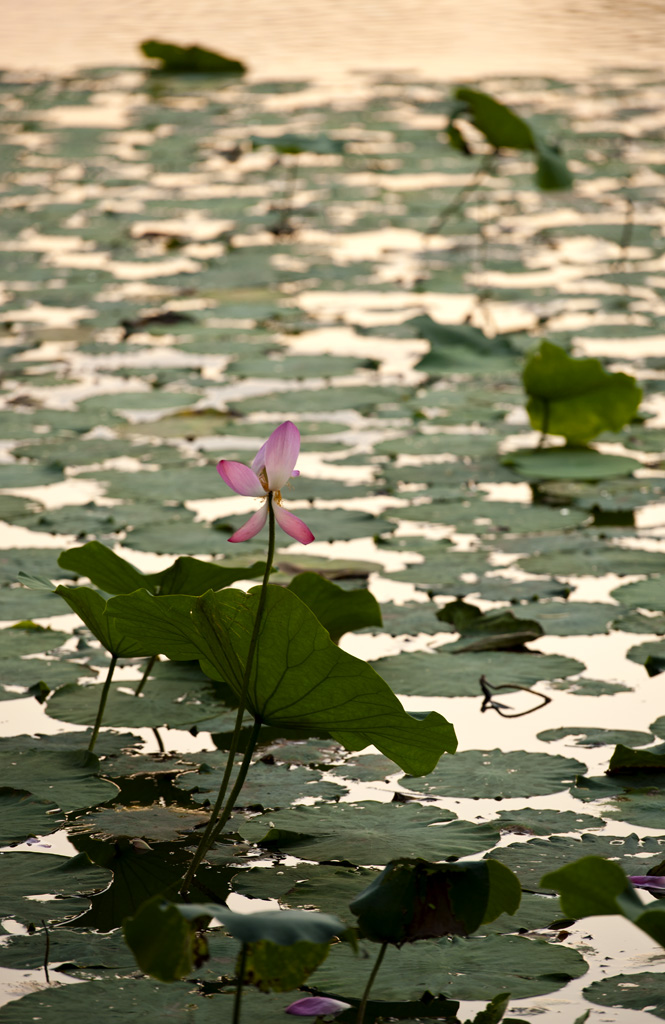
[[643, 991], [116, 575], [494, 774], [414, 899], [326, 887], [490, 516], [460, 348], [174, 701], [474, 968], [568, 463], [78, 951], [22, 815], [645, 594], [76, 519], [32, 881], [113, 1002], [587, 736], [90, 606], [501, 126], [306, 681], [68, 778], [584, 556], [369, 833], [337, 609], [440, 674], [576, 397], [266, 786], [531, 860]]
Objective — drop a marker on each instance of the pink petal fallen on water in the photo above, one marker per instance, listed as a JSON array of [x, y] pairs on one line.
[[253, 526], [240, 478], [654, 884], [292, 525], [281, 454], [316, 1006]]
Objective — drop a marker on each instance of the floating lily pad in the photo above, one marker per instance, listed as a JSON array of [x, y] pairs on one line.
[[456, 675], [369, 833], [642, 991], [494, 774], [569, 464], [587, 736], [78, 951], [645, 594], [23, 815], [322, 886], [543, 822], [31, 883], [174, 701], [474, 968], [68, 778], [267, 786], [153, 824], [533, 859]]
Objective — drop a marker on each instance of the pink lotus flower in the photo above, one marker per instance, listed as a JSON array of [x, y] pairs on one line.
[[317, 1006], [272, 468]]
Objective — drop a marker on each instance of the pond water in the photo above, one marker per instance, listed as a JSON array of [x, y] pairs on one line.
[[174, 287]]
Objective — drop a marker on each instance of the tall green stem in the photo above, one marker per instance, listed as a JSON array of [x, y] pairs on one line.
[[240, 781], [208, 836], [102, 703], [144, 677], [241, 975], [370, 982]]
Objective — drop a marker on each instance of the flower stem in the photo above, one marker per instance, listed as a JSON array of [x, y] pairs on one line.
[[102, 703], [144, 677], [238, 784], [370, 982], [211, 831], [241, 974]]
